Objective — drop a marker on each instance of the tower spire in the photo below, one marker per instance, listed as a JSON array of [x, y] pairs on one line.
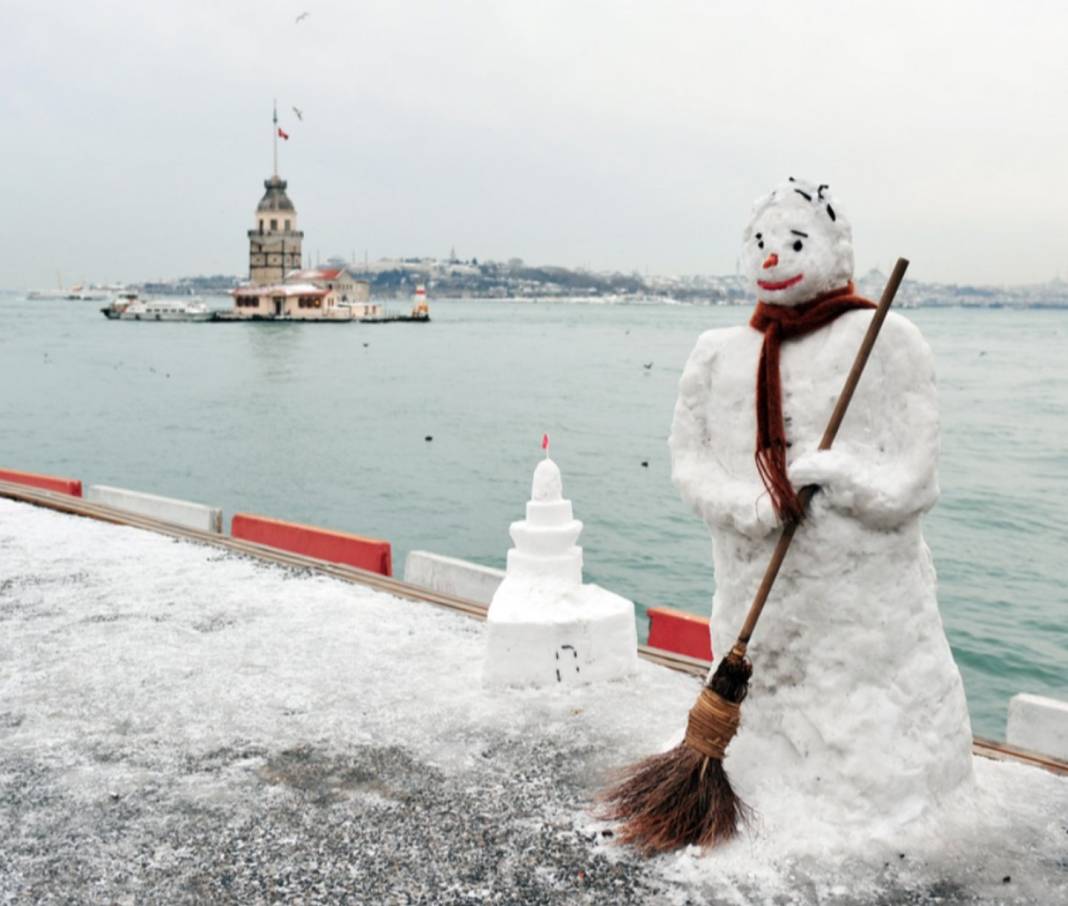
[[274, 133]]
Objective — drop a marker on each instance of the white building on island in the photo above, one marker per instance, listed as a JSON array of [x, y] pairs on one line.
[[329, 293]]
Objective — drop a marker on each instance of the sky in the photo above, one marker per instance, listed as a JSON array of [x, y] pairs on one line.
[[617, 135]]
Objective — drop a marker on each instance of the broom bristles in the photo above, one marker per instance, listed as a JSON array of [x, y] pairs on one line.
[[681, 797]]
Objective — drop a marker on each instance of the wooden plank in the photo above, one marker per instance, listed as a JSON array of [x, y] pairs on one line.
[[1001, 751], [682, 663]]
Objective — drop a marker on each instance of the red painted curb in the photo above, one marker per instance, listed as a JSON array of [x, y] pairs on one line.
[[323, 544], [679, 631], [70, 486]]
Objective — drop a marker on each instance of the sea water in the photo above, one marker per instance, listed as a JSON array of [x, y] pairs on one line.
[[427, 435]]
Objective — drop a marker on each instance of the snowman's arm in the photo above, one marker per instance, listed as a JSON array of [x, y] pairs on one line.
[[721, 499], [883, 468]]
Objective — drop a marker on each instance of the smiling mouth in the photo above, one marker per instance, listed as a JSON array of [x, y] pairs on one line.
[[780, 284]]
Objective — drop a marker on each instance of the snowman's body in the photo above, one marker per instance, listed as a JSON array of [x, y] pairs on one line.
[[855, 700]]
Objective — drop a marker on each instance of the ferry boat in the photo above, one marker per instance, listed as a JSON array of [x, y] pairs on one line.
[[79, 292], [130, 307], [82, 293], [120, 303], [58, 293]]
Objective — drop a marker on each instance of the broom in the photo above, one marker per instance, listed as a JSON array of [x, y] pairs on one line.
[[683, 796]]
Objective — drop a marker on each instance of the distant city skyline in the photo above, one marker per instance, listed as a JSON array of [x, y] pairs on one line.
[[612, 136]]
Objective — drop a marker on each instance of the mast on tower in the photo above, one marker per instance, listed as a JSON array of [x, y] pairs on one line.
[[274, 134]]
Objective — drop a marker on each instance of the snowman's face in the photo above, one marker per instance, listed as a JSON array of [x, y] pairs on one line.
[[796, 246]]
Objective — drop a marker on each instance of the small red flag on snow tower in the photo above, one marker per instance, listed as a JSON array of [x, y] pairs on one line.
[[545, 443], [283, 134]]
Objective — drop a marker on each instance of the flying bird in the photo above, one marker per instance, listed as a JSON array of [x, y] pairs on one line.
[[302, 17], [647, 365], [299, 113]]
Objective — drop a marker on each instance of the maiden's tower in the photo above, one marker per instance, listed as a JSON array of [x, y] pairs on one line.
[[274, 242], [278, 288]]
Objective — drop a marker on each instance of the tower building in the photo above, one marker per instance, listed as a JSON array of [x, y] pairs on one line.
[[274, 242]]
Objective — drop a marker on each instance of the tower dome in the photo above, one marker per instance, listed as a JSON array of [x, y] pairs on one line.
[[275, 198]]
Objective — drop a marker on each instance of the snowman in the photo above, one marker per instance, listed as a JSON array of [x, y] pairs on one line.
[[856, 705]]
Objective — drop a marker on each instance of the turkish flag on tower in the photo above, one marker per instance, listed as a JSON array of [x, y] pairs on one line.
[[283, 134]]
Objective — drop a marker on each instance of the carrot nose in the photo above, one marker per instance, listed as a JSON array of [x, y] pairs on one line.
[[771, 261]]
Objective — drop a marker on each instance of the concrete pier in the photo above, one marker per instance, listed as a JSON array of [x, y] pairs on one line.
[[183, 723]]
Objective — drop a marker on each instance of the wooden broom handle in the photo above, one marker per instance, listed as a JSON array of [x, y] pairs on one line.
[[833, 425]]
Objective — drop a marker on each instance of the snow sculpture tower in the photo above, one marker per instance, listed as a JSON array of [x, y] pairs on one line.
[[545, 541], [545, 627]]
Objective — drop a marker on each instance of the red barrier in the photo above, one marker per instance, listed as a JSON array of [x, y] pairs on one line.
[[70, 486], [323, 544], [681, 632]]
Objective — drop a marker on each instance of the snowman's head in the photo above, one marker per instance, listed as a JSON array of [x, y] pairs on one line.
[[797, 245]]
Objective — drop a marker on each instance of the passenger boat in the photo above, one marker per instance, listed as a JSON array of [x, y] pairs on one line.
[[129, 307], [82, 293], [37, 294], [58, 293], [79, 292], [120, 303]]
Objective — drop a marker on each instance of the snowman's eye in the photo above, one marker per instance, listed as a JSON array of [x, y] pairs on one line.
[[798, 245], [760, 244]]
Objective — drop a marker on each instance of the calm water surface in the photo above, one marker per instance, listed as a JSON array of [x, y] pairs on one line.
[[326, 424]]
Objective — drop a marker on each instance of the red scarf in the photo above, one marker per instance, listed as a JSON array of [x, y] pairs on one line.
[[778, 323]]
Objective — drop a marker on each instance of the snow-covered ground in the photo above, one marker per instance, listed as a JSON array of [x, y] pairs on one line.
[[180, 724]]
